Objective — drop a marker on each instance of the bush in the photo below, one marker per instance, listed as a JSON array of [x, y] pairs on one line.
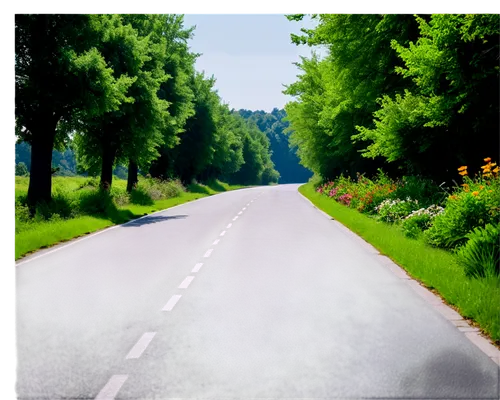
[[141, 196], [423, 190], [21, 169], [395, 210], [420, 220], [157, 189], [480, 256], [472, 205], [95, 202]]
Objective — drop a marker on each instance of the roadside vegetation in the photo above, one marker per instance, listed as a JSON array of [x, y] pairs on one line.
[[396, 122], [80, 207]]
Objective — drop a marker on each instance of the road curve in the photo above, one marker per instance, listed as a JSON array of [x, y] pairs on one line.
[[247, 294]]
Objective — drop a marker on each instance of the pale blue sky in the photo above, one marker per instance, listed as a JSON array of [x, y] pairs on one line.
[[251, 56]]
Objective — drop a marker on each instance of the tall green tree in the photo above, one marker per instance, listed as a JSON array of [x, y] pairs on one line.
[[178, 90], [134, 130], [448, 115], [59, 72]]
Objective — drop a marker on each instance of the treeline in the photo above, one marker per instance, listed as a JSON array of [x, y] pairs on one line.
[[284, 157], [123, 90], [415, 95]]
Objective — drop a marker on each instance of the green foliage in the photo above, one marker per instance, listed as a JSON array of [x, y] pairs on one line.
[[21, 169], [452, 94], [282, 155], [480, 256], [420, 220], [460, 217]]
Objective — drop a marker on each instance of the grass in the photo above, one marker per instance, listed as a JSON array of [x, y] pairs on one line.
[[475, 299], [79, 209]]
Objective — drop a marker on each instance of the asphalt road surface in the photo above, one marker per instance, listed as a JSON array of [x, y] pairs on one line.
[[247, 294]]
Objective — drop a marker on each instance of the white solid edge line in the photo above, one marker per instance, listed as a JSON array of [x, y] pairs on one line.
[[448, 313], [185, 283], [229, 226], [77, 240], [216, 241], [141, 345], [110, 390], [197, 267], [172, 302], [222, 233], [208, 252]]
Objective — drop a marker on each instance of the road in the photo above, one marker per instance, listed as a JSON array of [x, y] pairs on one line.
[[247, 294]]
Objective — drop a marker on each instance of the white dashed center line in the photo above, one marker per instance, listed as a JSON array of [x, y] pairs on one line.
[[241, 212], [207, 254], [185, 283], [244, 208], [222, 233], [229, 226], [235, 218], [172, 302], [141, 345], [216, 241], [109, 391], [197, 267]]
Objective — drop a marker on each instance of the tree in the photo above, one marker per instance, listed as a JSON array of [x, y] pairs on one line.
[[134, 130], [452, 96], [58, 71]]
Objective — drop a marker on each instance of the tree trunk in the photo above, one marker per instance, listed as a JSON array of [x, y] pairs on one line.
[[132, 175], [108, 159], [40, 184]]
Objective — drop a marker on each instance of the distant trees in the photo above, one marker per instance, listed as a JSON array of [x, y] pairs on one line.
[[125, 88], [284, 157], [410, 94], [21, 169]]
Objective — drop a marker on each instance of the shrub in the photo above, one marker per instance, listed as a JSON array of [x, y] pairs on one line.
[[472, 205], [480, 256], [423, 190], [140, 195], [395, 210], [95, 202], [420, 220]]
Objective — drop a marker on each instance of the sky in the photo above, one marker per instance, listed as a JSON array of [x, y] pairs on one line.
[[251, 56]]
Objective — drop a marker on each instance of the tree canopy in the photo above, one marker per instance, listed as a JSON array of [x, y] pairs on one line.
[[401, 92]]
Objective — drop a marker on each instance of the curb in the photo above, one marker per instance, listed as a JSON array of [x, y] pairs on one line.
[[470, 332]]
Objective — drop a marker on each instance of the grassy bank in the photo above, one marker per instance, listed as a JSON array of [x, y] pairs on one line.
[[79, 208], [475, 299]]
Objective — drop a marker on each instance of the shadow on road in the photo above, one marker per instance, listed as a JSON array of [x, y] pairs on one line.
[[153, 219]]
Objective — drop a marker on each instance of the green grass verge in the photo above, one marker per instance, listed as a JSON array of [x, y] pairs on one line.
[[43, 234], [475, 299]]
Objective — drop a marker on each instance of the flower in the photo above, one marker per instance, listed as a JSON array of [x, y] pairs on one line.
[[462, 168], [463, 173], [475, 193], [487, 159], [465, 185], [481, 187], [496, 170]]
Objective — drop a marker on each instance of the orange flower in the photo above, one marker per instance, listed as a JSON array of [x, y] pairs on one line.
[[475, 193], [481, 187], [466, 185], [463, 173], [487, 159], [462, 168], [496, 170]]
